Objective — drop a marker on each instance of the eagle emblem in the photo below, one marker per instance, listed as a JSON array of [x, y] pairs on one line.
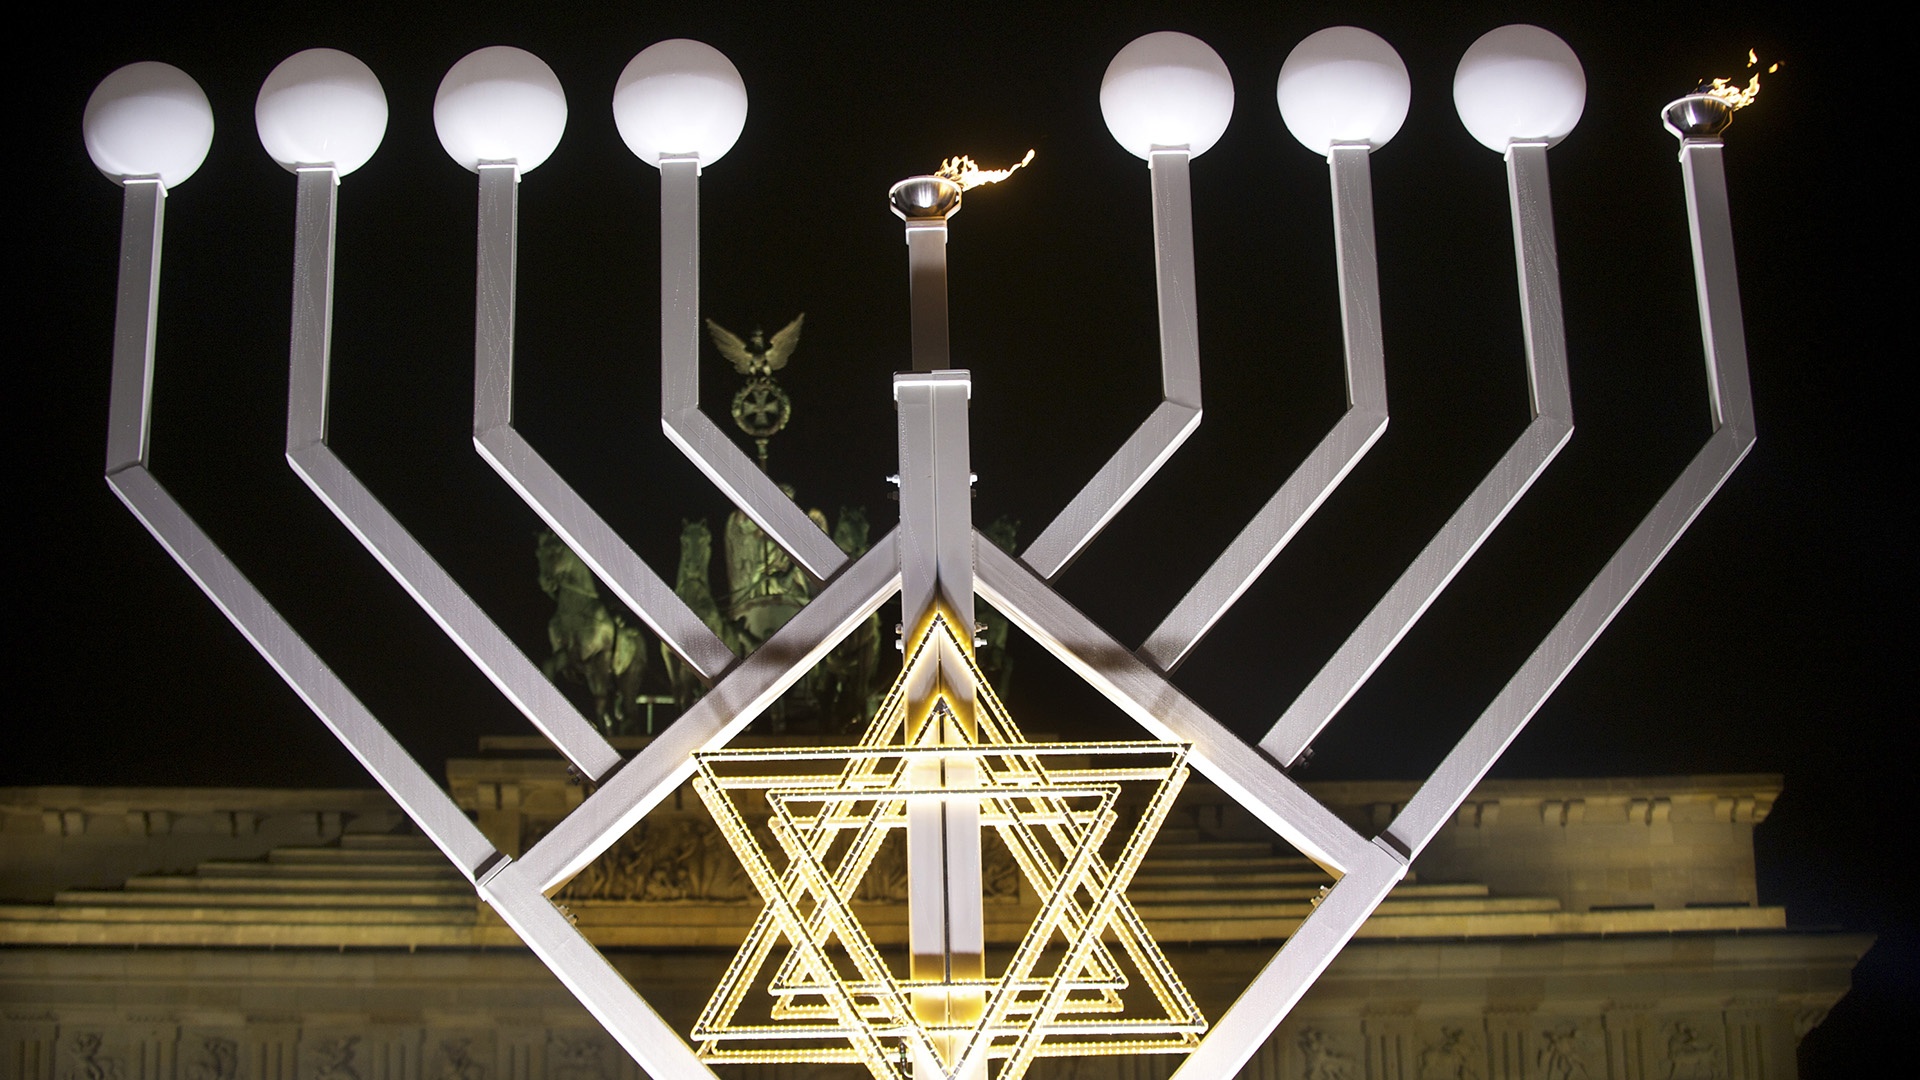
[[757, 356]]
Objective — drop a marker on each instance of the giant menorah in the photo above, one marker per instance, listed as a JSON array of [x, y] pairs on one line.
[[942, 762]]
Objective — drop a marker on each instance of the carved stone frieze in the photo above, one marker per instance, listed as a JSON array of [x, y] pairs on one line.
[[1692, 1049], [665, 858], [682, 857], [331, 1057], [1569, 1050], [579, 1055], [1325, 1056], [467, 1056], [206, 1056], [1452, 1052], [86, 1057]]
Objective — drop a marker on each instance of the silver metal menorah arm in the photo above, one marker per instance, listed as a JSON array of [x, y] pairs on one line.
[[377, 529], [1716, 281], [698, 437], [735, 700], [143, 207], [1487, 505], [1166, 713], [522, 467], [1240, 1032], [1716, 278], [1251, 552], [656, 1046], [1178, 414], [130, 409]]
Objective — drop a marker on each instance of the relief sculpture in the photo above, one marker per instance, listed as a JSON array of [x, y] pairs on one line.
[[90, 1059], [1559, 1055], [1452, 1058], [335, 1058], [664, 859], [457, 1061], [1319, 1060], [576, 1056], [215, 1058], [1689, 1055]]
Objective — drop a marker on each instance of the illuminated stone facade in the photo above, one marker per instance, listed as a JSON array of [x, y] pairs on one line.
[[1557, 930]]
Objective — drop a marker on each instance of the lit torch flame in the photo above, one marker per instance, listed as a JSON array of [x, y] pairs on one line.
[[1738, 97], [967, 172]]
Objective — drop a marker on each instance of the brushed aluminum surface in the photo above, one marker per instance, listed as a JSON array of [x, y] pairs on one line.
[[1724, 343], [130, 409], [1163, 710], [655, 1046], [735, 700], [1261, 541], [1368, 646], [571, 517], [374, 526], [1247, 1024], [1178, 414], [730, 469]]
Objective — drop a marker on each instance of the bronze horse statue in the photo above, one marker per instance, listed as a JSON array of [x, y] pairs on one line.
[[592, 647]]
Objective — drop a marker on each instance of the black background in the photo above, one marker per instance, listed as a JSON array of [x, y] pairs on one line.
[[1768, 641]]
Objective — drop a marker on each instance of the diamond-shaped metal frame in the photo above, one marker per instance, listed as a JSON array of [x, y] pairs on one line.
[[1367, 868]]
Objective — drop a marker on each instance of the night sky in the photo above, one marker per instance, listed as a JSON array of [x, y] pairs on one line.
[[1770, 640]]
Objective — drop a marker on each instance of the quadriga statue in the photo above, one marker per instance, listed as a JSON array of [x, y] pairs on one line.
[[592, 647]]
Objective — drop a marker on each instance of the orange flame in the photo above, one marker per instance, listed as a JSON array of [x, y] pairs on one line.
[[967, 172], [1733, 94]]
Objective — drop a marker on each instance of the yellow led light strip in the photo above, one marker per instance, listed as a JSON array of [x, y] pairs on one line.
[[835, 998]]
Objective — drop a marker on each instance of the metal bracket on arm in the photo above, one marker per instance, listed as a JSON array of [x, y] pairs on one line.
[[1552, 425], [129, 421], [1716, 281], [1250, 553], [1178, 414], [377, 529], [522, 467], [698, 437]]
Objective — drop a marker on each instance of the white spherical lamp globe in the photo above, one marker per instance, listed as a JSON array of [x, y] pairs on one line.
[[680, 97], [1343, 85], [500, 104], [1167, 89], [148, 119], [321, 107], [1519, 83]]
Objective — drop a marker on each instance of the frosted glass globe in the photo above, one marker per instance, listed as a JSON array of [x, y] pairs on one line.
[[680, 97], [1519, 82], [1167, 89], [321, 107], [500, 104], [1343, 84], [148, 119]]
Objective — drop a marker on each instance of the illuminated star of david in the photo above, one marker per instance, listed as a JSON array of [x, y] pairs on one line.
[[836, 999]]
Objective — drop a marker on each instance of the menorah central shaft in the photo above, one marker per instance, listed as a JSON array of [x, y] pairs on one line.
[[925, 203], [946, 931]]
